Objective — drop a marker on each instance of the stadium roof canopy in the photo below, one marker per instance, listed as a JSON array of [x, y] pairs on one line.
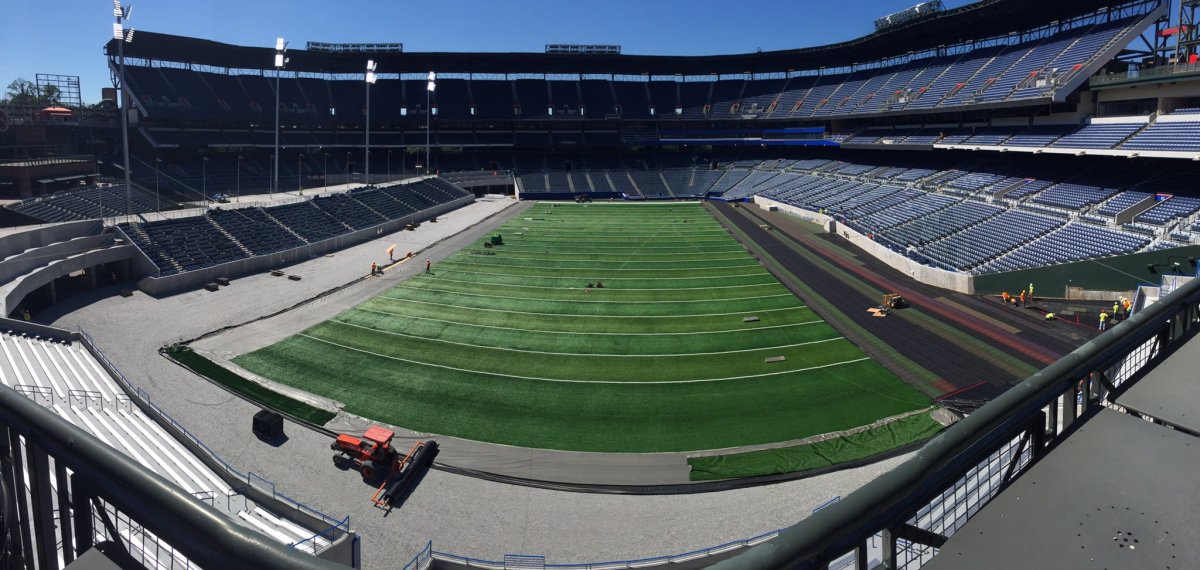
[[977, 21]]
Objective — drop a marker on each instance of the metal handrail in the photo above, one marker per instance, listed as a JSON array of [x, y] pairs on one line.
[[1146, 73], [896, 495], [193, 528]]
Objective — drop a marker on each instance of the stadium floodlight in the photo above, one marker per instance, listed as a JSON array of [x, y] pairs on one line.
[[204, 183], [428, 114], [371, 65], [157, 196], [280, 61], [123, 36]]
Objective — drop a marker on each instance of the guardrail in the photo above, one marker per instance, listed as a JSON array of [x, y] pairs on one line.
[[428, 555], [70, 491], [916, 507], [249, 478], [423, 558], [1146, 73]]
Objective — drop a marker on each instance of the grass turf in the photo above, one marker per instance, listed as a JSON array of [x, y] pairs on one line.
[[507, 344], [252, 390], [861, 445]]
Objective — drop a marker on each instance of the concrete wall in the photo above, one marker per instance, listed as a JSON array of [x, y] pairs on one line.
[[31, 259], [951, 280], [17, 290], [34, 329], [191, 280], [1104, 278], [17, 243]]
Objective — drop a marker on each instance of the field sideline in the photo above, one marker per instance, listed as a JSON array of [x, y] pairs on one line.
[[509, 345]]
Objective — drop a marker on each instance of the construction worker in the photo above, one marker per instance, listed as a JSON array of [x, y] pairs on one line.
[[1128, 307], [1031, 292], [1049, 316], [1004, 296], [427, 266], [1103, 319], [374, 268], [1022, 297], [1116, 310]]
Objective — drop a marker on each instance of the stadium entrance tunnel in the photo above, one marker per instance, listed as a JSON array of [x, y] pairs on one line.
[[69, 285], [48, 265]]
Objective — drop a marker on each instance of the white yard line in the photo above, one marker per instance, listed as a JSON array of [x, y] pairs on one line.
[[596, 316], [603, 269], [560, 380], [542, 254], [579, 333], [542, 299], [606, 355], [442, 278], [755, 274]]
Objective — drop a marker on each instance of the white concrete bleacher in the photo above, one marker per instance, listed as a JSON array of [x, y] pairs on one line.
[[68, 380]]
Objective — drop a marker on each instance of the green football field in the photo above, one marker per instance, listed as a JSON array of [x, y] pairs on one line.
[[509, 345]]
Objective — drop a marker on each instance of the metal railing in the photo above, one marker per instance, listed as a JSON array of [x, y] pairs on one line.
[[916, 507], [1145, 73], [248, 478], [70, 491], [428, 554]]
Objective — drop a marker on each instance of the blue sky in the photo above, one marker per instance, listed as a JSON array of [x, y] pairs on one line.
[[67, 36]]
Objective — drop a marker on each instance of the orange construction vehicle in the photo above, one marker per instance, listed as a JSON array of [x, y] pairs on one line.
[[372, 454]]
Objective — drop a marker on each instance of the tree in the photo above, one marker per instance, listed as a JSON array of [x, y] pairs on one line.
[[25, 92]]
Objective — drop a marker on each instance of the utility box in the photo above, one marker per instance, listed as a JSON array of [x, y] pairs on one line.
[[268, 424]]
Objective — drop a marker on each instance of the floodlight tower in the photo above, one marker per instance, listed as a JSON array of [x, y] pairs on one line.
[[370, 81], [280, 61], [428, 114], [123, 36]]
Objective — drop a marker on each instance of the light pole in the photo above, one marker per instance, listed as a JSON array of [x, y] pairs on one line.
[[280, 61], [204, 183], [389, 174], [428, 114], [347, 167], [157, 196], [123, 36], [299, 175], [238, 190], [325, 176], [370, 81]]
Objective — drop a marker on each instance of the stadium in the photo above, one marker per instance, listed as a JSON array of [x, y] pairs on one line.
[[822, 307]]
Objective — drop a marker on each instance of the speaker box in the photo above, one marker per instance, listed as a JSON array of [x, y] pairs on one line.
[[211, 286], [223, 281]]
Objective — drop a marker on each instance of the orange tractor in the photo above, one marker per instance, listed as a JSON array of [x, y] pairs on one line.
[[375, 458], [372, 454]]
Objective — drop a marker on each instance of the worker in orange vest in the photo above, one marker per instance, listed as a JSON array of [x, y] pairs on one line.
[[1004, 296], [1022, 297]]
